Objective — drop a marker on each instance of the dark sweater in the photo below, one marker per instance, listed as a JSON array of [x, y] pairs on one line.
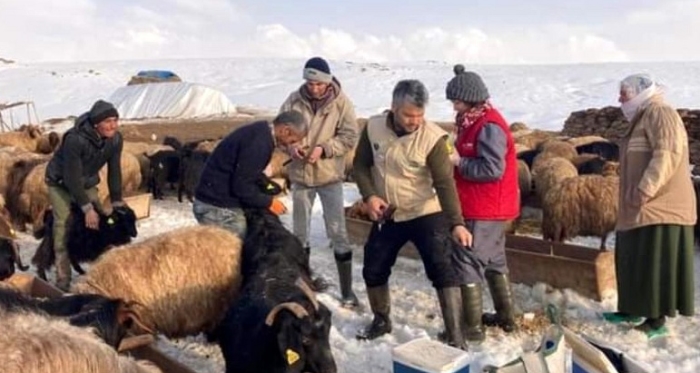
[[231, 175], [441, 170], [76, 164]]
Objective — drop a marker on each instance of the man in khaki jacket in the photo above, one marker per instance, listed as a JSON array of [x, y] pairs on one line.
[[318, 163], [405, 176], [654, 248]]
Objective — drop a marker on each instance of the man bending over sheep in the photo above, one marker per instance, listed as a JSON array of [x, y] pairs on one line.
[[404, 174], [486, 174], [230, 179], [72, 176]]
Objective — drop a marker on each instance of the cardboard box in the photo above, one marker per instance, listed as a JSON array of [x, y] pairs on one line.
[[141, 204], [138, 346], [587, 270], [424, 355]]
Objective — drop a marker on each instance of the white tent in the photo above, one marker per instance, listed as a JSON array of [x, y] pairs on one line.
[[170, 100]]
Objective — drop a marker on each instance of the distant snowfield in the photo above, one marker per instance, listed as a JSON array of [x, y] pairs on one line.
[[541, 96]]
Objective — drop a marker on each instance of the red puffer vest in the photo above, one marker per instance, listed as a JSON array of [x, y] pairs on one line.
[[493, 200]]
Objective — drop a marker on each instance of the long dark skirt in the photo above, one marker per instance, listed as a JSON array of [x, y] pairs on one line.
[[654, 267]]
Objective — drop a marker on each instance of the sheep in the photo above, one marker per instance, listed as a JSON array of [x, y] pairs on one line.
[[164, 169], [531, 138], [554, 148], [84, 244], [191, 167], [524, 180], [182, 281], [589, 164], [528, 156], [581, 205], [131, 177], [9, 156], [31, 139], [611, 168], [9, 250], [110, 318], [33, 343], [277, 325], [551, 172], [142, 150]]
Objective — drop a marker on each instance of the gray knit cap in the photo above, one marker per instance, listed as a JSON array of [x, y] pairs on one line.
[[467, 86]]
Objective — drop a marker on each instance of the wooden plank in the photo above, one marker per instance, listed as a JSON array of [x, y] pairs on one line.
[[141, 204]]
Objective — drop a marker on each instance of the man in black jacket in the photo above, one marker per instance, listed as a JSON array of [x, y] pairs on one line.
[[72, 175], [230, 179]]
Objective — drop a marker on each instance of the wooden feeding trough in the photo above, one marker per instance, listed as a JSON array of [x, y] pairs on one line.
[[588, 271], [137, 346], [140, 203]]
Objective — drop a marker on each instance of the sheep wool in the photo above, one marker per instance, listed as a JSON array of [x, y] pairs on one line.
[[183, 281]]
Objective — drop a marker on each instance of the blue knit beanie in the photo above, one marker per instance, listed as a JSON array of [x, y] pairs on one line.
[[317, 69]]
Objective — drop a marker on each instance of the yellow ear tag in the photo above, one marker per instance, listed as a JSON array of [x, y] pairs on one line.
[[450, 148], [270, 187], [292, 357], [110, 221]]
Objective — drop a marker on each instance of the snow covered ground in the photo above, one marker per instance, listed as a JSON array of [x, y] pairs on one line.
[[542, 96]]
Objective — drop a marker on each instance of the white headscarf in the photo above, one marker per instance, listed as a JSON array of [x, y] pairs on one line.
[[640, 88]]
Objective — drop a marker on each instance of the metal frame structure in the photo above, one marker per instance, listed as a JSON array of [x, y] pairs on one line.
[[10, 126]]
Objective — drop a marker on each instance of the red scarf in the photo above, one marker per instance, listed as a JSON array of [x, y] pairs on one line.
[[466, 119]]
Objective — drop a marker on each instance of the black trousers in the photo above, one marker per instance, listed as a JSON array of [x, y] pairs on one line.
[[443, 258]]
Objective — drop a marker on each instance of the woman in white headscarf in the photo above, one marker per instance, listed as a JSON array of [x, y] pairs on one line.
[[654, 245]]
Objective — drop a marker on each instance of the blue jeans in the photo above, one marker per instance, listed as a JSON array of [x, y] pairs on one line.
[[231, 219]]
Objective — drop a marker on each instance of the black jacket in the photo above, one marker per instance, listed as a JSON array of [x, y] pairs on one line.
[[231, 177], [76, 164]]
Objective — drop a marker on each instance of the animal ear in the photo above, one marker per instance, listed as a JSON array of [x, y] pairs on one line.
[[128, 316], [289, 341]]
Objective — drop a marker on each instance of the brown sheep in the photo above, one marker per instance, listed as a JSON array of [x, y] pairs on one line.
[[207, 146], [131, 177], [33, 343], [550, 173], [583, 205], [182, 281], [524, 180], [277, 167], [30, 138], [552, 149], [531, 138], [611, 168], [9, 156]]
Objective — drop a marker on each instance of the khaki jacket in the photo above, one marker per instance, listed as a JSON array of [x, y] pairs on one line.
[[333, 127], [654, 158], [400, 172]]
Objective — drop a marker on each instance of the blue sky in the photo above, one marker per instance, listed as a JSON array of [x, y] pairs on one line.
[[471, 31]]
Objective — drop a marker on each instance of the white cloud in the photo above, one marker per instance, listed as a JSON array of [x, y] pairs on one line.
[[86, 30]]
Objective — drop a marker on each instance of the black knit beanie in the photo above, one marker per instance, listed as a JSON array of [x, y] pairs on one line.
[[317, 69], [466, 86], [102, 110]]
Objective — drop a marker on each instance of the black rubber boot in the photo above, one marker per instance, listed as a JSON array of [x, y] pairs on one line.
[[380, 302], [344, 264], [451, 307], [499, 286], [473, 306]]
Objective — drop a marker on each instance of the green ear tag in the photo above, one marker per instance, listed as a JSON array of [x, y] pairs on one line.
[[110, 221]]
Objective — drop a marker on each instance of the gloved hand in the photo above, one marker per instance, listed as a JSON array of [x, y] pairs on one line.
[[277, 207]]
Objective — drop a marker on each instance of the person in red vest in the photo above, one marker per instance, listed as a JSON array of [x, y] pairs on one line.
[[486, 174]]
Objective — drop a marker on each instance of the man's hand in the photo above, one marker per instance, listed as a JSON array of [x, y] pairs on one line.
[[277, 207], [297, 152], [92, 219], [315, 154], [376, 207], [462, 235]]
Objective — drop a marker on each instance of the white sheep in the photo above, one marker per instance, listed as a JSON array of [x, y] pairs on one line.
[[182, 281]]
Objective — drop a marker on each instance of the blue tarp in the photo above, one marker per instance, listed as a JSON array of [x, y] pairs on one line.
[[161, 74]]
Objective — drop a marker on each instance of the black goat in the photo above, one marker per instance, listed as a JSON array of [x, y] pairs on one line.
[[608, 150], [111, 318], [9, 257], [276, 325], [164, 169], [84, 244], [592, 166], [191, 166]]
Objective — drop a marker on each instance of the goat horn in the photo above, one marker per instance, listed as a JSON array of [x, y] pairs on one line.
[[294, 307], [307, 290], [18, 259], [125, 312]]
